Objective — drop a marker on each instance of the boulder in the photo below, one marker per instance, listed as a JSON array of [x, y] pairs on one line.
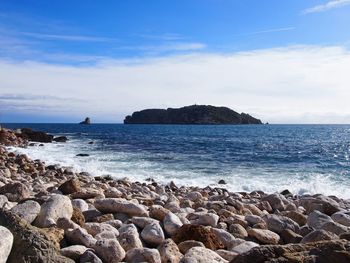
[[28, 210], [223, 236], [141, 222], [238, 231], [188, 244], [244, 247], [109, 250], [171, 223], [198, 233], [202, 255], [316, 219], [69, 187], [318, 235], [169, 252], [79, 236], [153, 234], [277, 223], [74, 252], [335, 228], [206, 219], [80, 204], [118, 205], [129, 237], [36, 136], [15, 192], [276, 201], [289, 236], [296, 216], [321, 252], [97, 228], [158, 212], [264, 236], [137, 255], [89, 257], [342, 218], [6, 242], [30, 244], [55, 207]]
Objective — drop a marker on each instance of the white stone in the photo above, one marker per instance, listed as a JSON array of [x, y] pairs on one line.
[[28, 210], [56, 207], [153, 234], [6, 242], [244, 247], [110, 251], [73, 252], [80, 204], [171, 223], [202, 255], [118, 205], [137, 255]]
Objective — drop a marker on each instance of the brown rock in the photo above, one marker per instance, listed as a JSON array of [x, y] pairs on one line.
[[69, 187], [103, 218], [169, 252], [198, 233], [337, 251], [78, 217], [15, 192]]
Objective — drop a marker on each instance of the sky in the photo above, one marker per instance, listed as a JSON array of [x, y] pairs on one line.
[[281, 61]]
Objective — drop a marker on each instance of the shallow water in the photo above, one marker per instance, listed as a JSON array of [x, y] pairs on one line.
[[301, 158]]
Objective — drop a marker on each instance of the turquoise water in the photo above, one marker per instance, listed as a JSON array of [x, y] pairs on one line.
[[301, 158]]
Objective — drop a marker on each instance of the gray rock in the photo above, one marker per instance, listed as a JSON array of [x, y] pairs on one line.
[[118, 205], [141, 222], [202, 255], [56, 207], [277, 223], [89, 257], [28, 210], [74, 252], [206, 219], [129, 237], [316, 219], [137, 255], [335, 228], [110, 251], [342, 218], [80, 204], [244, 247], [188, 244], [6, 243], [171, 223], [153, 234], [79, 236], [223, 236]]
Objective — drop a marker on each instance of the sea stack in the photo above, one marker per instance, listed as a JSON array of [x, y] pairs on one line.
[[86, 121]]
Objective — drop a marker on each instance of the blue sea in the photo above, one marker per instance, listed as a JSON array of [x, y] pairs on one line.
[[306, 159]]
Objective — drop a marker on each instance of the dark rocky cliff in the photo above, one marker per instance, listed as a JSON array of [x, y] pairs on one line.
[[195, 114]]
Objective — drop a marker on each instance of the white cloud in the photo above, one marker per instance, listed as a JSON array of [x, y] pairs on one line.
[[272, 30], [327, 6], [78, 38], [282, 85]]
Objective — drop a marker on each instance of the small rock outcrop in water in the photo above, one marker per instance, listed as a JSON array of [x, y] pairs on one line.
[[86, 121], [195, 114]]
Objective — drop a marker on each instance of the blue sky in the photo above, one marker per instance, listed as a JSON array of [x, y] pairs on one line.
[[121, 56]]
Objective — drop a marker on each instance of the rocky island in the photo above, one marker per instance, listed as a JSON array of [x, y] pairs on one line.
[[87, 121], [195, 114]]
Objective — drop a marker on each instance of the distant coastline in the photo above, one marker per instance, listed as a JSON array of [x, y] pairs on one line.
[[194, 114]]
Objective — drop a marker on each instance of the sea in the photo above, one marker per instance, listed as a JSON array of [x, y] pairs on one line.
[[305, 159]]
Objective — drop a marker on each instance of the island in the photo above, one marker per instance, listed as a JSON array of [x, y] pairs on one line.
[[194, 114], [86, 121]]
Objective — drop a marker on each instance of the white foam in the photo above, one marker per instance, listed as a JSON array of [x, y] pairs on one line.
[[136, 167]]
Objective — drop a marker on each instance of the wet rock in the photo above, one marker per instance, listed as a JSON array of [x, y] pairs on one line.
[[109, 250], [117, 205], [264, 236], [57, 206], [30, 244], [244, 247], [202, 255], [28, 210], [36, 136], [82, 155], [89, 257], [342, 218], [73, 252], [169, 252], [316, 219], [322, 252], [222, 181], [153, 234], [15, 192], [6, 242], [70, 186], [60, 139], [188, 244], [318, 235], [149, 255], [198, 233], [171, 223]]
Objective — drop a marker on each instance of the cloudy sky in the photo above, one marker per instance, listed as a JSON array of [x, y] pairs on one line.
[[282, 61]]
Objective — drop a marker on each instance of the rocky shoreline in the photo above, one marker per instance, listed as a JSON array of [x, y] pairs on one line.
[[49, 213]]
